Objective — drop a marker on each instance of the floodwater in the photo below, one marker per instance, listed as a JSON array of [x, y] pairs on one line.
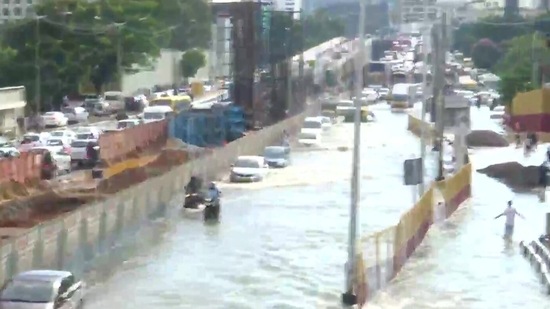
[[282, 243]]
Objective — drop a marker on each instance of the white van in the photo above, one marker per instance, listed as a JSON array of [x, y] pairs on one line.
[[115, 99], [156, 113], [312, 125]]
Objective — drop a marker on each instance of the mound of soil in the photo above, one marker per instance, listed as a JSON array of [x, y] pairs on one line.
[[514, 175], [485, 138], [30, 211]]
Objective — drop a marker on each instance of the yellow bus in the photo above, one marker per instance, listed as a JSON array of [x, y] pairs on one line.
[[178, 103]]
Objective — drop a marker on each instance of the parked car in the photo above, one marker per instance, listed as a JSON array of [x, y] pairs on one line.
[[101, 108], [66, 135], [76, 114], [58, 145], [43, 289], [55, 119], [79, 153], [312, 125], [277, 156], [383, 93], [31, 140], [7, 149], [115, 101], [249, 169], [55, 162], [88, 132]]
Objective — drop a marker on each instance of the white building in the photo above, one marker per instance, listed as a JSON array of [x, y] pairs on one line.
[[15, 9], [413, 11]]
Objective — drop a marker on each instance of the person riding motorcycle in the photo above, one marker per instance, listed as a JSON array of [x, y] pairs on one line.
[[194, 185], [193, 191], [213, 192]]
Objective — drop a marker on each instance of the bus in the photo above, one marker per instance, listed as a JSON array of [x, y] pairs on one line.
[[178, 103]]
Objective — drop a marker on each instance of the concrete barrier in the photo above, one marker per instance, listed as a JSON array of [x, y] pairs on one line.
[[539, 257], [72, 240]]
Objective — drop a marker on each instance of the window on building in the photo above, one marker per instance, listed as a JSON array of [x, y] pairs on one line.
[[17, 1], [6, 1], [17, 12], [30, 11], [6, 12], [30, 1]]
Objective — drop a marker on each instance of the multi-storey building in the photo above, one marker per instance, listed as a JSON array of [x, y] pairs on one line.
[[413, 11], [15, 9]]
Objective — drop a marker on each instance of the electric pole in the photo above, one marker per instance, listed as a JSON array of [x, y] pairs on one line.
[[440, 100]]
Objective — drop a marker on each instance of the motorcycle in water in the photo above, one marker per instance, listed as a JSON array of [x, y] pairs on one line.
[[212, 210], [194, 204]]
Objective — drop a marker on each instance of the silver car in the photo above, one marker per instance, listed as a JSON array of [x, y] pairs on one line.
[[42, 289]]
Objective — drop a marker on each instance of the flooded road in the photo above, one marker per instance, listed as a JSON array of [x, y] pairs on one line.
[[282, 242]]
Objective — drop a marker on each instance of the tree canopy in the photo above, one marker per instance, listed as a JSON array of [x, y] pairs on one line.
[[485, 54], [191, 61], [75, 43]]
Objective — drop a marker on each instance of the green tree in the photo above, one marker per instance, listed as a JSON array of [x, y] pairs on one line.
[[321, 27], [191, 61], [485, 54], [189, 22], [515, 67]]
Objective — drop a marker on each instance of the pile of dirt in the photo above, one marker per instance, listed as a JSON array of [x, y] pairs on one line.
[[485, 138], [167, 159], [32, 210], [514, 175]]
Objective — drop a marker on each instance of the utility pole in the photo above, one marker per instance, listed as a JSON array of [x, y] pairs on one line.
[[119, 55], [425, 38], [349, 298], [289, 60], [440, 121], [301, 62], [37, 71]]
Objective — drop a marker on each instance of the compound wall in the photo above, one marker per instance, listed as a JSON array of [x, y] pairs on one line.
[[72, 240]]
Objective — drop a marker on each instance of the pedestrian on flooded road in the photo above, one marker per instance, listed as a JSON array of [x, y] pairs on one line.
[[510, 213]]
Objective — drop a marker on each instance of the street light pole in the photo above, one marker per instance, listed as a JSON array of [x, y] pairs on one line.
[[349, 298], [38, 79], [425, 38]]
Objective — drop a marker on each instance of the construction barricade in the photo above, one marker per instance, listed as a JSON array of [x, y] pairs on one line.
[[117, 146], [21, 169], [383, 254]]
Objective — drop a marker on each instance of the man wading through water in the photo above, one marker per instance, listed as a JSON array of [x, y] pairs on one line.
[[510, 213]]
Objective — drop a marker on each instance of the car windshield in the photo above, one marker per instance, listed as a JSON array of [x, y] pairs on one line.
[[250, 163], [54, 142], [400, 97], [84, 135], [79, 144], [312, 125], [274, 152], [153, 116], [112, 98], [307, 136], [31, 138], [57, 133], [29, 291]]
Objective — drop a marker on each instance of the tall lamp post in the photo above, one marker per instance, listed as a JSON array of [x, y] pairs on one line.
[[38, 79]]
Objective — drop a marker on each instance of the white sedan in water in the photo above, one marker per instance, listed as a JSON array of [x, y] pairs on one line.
[[249, 169]]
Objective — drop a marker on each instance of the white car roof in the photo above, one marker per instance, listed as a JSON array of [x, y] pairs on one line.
[[157, 109], [316, 119], [257, 158]]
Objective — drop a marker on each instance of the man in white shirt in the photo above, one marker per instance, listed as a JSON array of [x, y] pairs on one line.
[[510, 214]]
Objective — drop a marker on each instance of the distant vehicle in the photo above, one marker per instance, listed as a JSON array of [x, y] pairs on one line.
[[277, 156], [156, 113], [43, 289], [54, 119], [88, 132], [249, 169], [66, 135], [58, 145], [178, 103], [309, 139], [312, 125], [32, 140], [59, 162], [128, 123], [383, 93], [75, 114], [326, 122], [115, 101], [7, 148], [347, 110], [79, 151]]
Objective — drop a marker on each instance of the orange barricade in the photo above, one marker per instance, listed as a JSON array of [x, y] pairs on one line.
[[22, 169], [115, 146]]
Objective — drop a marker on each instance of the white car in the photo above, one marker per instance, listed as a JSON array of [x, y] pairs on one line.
[[76, 114], [326, 123], [31, 140], [79, 151], [383, 93], [156, 113], [249, 169], [55, 119], [312, 125], [58, 145], [61, 158], [66, 135], [88, 132], [309, 139]]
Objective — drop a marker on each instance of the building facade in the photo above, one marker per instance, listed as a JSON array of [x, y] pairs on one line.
[[15, 9]]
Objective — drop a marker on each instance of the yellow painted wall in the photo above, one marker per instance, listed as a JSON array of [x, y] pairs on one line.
[[528, 103], [126, 165]]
